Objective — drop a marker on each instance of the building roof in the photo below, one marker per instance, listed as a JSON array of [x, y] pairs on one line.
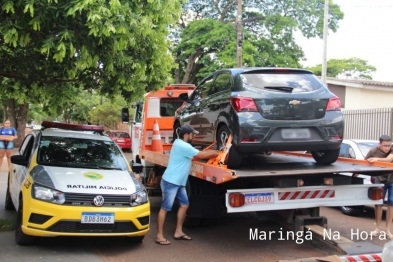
[[364, 83]]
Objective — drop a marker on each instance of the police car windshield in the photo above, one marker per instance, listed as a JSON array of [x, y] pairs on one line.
[[80, 153]]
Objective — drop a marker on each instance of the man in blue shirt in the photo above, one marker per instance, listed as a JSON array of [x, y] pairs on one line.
[[174, 180]]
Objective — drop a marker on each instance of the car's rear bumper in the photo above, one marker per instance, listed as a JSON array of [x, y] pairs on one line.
[[253, 134], [59, 220]]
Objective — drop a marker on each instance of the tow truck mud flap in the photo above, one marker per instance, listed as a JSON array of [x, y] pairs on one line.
[[264, 199]]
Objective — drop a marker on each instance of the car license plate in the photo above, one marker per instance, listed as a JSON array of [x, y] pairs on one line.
[[120, 140], [97, 218], [295, 133], [258, 198]]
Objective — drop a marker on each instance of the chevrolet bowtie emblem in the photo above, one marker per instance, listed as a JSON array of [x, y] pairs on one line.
[[294, 102]]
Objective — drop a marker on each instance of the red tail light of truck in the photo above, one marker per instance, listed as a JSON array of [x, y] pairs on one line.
[[236, 199]]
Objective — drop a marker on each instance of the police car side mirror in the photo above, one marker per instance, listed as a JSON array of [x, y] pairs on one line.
[[19, 160]]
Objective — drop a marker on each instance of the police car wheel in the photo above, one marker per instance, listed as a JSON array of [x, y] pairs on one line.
[[20, 237], [8, 201]]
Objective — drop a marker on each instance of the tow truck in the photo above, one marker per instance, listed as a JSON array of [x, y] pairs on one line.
[[289, 186]]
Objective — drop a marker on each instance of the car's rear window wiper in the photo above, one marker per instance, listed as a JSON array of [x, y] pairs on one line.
[[287, 89]]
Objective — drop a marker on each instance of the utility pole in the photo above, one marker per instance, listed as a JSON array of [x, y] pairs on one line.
[[325, 35], [239, 34]]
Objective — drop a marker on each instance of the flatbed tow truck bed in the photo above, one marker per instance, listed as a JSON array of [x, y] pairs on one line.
[[279, 164]]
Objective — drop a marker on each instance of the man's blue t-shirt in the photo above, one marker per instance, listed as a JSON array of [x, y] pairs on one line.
[[179, 164], [7, 131]]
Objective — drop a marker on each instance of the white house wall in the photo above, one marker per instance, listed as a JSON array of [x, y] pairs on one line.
[[362, 98]]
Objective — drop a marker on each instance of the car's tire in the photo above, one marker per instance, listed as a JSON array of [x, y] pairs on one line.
[[176, 127], [326, 157], [352, 210], [8, 201], [20, 237], [234, 158]]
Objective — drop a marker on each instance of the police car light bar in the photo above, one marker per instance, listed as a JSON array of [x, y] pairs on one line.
[[180, 87], [49, 124]]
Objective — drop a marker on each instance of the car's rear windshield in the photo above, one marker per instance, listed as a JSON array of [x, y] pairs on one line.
[[281, 82], [124, 135], [81, 153]]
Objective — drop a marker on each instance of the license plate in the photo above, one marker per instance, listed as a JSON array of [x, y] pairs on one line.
[[97, 218], [259, 198], [295, 133], [120, 140]]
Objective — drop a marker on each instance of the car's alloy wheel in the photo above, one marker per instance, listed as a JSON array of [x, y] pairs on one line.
[[20, 237], [326, 157], [234, 158], [352, 210], [8, 201]]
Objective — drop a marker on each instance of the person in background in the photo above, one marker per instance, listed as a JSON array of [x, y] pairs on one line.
[[7, 136], [174, 180], [383, 153]]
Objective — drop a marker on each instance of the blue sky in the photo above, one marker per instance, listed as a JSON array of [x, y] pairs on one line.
[[365, 32]]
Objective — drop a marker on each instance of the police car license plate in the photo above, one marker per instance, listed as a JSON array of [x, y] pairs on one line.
[[258, 198], [295, 133], [97, 218]]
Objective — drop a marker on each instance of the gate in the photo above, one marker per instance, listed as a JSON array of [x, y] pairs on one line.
[[368, 124]]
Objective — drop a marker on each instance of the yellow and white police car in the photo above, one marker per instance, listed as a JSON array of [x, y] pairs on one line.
[[74, 183]]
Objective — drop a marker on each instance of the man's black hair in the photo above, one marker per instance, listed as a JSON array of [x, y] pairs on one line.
[[385, 138]]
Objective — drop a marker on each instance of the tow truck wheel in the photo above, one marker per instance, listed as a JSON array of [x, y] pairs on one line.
[[234, 157], [326, 157], [20, 237], [8, 201]]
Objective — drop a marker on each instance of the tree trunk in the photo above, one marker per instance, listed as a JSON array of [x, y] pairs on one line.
[[18, 118], [190, 66]]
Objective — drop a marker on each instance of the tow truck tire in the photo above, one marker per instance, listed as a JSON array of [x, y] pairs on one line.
[[352, 210], [326, 157], [8, 201], [234, 158], [20, 237]]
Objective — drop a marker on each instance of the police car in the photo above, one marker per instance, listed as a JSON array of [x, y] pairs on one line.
[[69, 180]]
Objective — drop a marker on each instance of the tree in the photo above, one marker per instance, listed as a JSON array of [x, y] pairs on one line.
[[351, 68], [48, 48], [205, 36], [107, 114]]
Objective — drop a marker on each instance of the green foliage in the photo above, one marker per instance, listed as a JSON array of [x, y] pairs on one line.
[[50, 49], [351, 68], [107, 114], [6, 225], [209, 41]]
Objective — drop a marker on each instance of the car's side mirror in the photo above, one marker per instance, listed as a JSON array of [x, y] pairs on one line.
[[19, 160], [125, 115], [184, 96]]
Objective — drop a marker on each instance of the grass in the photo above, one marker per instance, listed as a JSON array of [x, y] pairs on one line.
[[6, 224]]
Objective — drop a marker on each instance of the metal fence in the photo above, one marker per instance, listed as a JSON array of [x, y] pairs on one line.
[[368, 124]]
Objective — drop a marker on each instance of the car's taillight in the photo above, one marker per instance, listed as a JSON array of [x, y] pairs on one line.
[[244, 104], [372, 180], [334, 104]]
